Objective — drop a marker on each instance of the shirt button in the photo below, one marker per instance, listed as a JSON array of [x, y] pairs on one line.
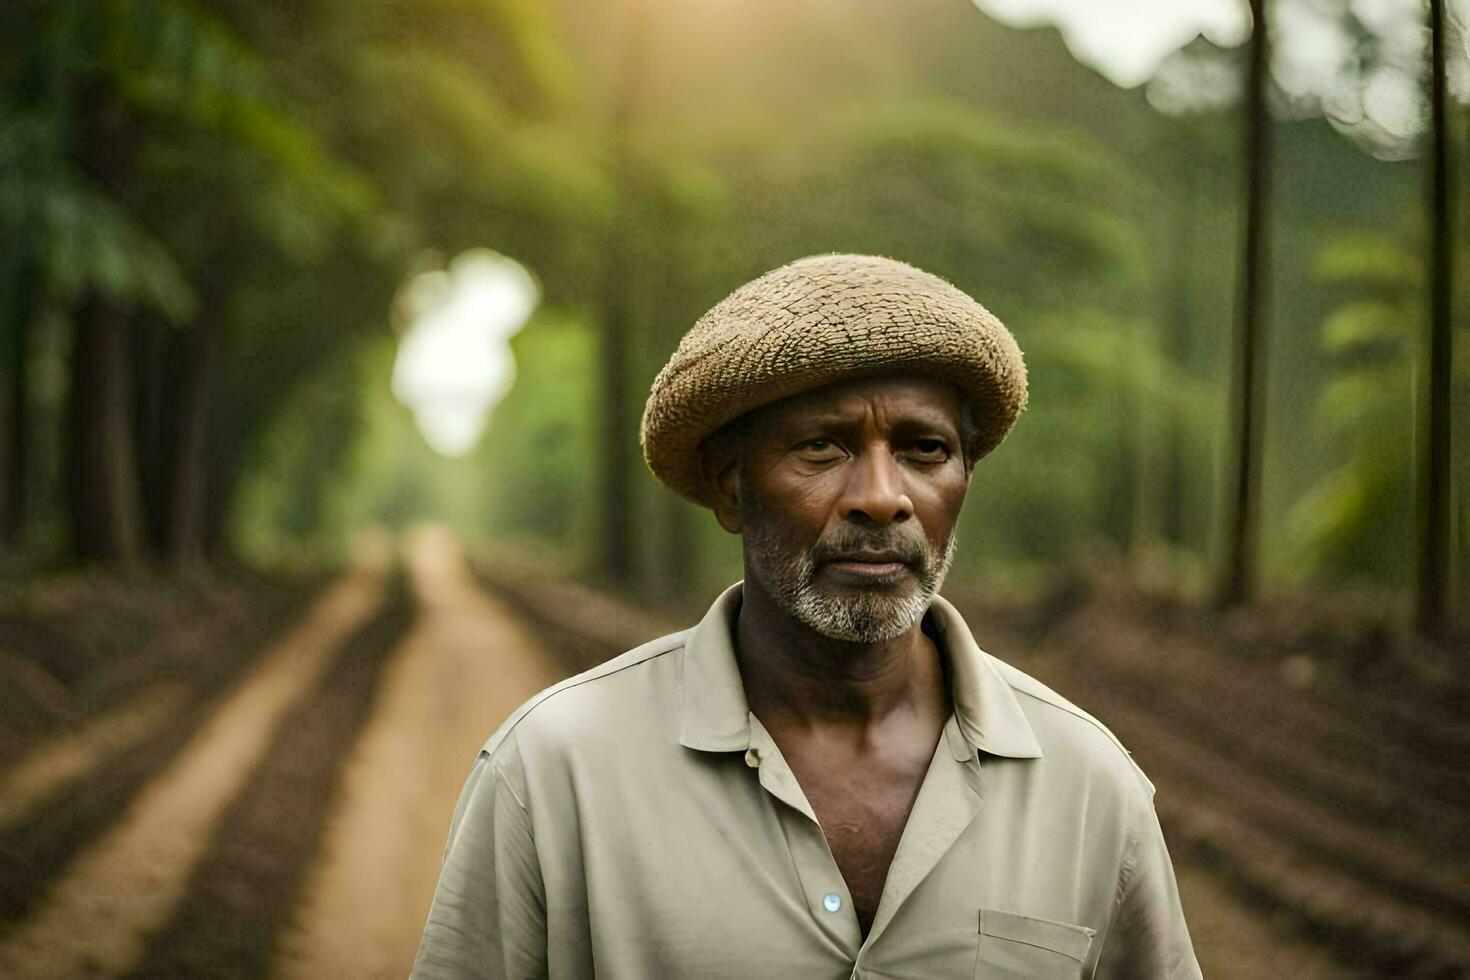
[[832, 902]]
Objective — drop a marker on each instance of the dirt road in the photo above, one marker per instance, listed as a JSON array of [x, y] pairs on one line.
[[297, 831], [465, 667], [193, 875]]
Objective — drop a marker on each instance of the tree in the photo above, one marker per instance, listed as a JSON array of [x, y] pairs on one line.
[[180, 170], [1432, 585], [617, 418], [1237, 580]]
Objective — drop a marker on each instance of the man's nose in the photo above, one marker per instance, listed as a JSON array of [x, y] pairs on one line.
[[874, 490]]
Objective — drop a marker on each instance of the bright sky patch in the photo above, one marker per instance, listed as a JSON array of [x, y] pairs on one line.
[[454, 362]]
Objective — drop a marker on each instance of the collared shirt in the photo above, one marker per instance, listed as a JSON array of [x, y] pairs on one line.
[[638, 821]]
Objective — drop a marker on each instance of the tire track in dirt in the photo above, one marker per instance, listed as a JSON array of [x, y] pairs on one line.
[[95, 917], [464, 668], [241, 895]]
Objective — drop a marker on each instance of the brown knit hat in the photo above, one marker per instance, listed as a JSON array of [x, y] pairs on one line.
[[817, 320]]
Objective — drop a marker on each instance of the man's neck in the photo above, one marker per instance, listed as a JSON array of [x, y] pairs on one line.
[[797, 677]]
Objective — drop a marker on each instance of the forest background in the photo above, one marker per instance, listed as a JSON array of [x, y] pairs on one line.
[[223, 221]]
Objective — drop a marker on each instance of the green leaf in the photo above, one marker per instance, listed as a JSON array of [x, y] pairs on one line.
[[92, 244], [1368, 258], [1366, 323]]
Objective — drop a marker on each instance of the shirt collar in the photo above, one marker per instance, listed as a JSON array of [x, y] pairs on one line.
[[715, 716]]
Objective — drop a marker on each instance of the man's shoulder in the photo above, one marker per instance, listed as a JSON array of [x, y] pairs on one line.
[[594, 697], [1060, 724]]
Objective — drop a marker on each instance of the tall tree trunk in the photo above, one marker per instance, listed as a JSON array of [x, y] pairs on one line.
[[1238, 581], [153, 391], [195, 368], [106, 505], [12, 453], [617, 421], [1432, 609], [188, 476], [21, 301], [227, 441], [108, 520], [616, 517]]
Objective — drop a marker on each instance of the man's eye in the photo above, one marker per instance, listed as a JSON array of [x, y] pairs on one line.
[[819, 447], [932, 449]]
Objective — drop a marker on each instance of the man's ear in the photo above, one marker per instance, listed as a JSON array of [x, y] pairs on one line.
[[727, 497], [971, 453], [721, 471]]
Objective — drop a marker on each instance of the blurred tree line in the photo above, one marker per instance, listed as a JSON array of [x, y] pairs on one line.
[[210, 209]]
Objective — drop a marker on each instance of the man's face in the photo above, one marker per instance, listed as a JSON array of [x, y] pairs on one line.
[[846, 499]]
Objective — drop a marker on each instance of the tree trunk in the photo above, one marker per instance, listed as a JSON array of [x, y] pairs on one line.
[[188, 474], [227, 440], [617, 552], [21, 304], [106, 505], [1238, 582], [617, 424], [153, 391], [1432, 608]]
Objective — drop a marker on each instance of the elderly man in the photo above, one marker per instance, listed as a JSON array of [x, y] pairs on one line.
[[826, 777]]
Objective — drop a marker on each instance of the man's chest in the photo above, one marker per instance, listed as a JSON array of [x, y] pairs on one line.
[[862, 807], [719, 872]]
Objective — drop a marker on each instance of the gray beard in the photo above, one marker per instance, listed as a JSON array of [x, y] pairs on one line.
[[856, 614]]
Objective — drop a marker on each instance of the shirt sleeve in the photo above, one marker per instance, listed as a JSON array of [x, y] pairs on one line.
[[488, 918], [1147, 938]]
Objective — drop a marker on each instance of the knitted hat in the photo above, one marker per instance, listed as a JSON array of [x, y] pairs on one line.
[[815, 321]]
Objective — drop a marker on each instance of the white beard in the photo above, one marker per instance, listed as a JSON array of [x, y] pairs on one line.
[[856, 615]]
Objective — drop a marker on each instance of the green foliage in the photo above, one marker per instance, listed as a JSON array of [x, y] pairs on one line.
[[543, 168], [1357, 519], [83, 239], [167, 70], [171, 59], [536, 459], [284, 510], [1096, 379], [361, 461], [274, 172], [540, 55], [1021, 218]]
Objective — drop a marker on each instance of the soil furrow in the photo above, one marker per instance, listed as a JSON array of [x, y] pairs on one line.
[[1365, 787], [65, 759], [95, 916], [1186, 676], [1315, 834], [51, 827], [1373, 930], [242, 892]]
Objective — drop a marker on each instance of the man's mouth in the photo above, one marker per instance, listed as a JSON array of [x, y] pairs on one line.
[[868, 566]]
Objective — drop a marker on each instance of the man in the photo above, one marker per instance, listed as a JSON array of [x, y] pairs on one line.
[[826, 777]]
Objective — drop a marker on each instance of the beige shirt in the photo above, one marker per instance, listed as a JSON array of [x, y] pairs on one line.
[[637, 821]]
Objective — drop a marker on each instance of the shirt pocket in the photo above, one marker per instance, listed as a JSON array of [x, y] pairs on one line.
[[1013, 946]]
